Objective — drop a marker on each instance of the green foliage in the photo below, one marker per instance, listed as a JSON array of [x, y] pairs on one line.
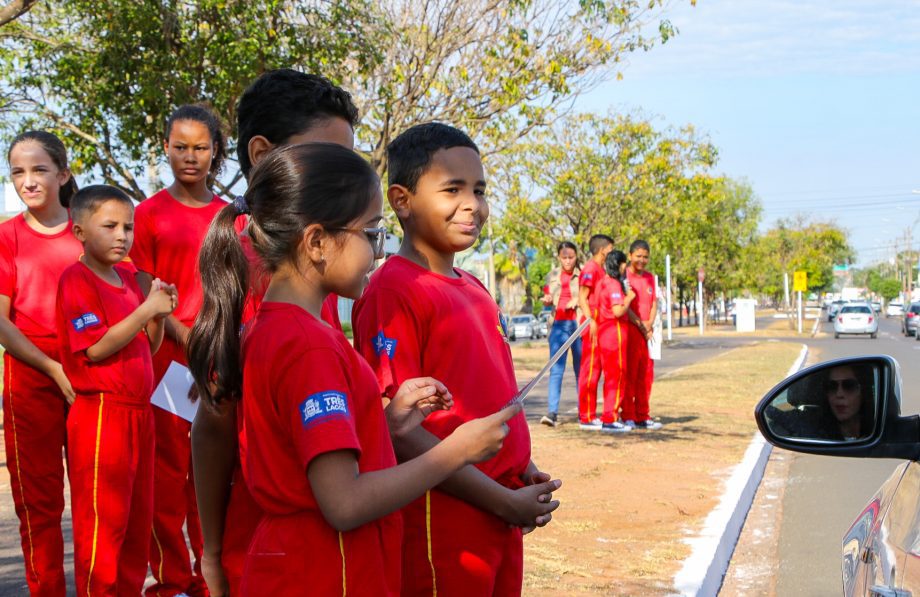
[[107, 74], [796, 245], [620, 176], [887, 288]]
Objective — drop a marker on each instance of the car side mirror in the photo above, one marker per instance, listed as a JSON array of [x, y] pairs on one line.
[[845, 407]]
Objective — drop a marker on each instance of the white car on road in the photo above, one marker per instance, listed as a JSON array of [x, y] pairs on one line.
[[858, 318]]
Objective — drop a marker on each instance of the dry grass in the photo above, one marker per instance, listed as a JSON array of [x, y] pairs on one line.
[[628, 501]]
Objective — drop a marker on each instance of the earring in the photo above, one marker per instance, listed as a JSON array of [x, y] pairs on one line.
[[322, 258]]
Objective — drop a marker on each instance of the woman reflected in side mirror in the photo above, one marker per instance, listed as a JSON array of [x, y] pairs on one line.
[[849, 400]]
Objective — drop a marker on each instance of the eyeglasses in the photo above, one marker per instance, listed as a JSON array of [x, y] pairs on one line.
[[376, 236], [847, 385]]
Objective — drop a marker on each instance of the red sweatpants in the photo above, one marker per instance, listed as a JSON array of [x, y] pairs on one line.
[[300, 554], [174, 503], [110, 443], [612, 338], [34, 434], [452, 548], [640, 372], [588, 377]]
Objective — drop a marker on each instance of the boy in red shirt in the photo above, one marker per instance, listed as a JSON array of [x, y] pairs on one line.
[[600, 246], [642, 313], [612, 320], [107, 333], [421, 316]]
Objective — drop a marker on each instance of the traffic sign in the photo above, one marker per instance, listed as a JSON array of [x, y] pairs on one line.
[[800, 281]]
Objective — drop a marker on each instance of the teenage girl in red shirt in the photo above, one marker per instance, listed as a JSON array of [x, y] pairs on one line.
[[318, 457], [613, 299], [169, 229], [35, 248]]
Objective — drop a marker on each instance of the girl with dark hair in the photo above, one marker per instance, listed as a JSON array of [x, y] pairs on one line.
[[613, 300], [318, 457], [281, 107], [561, 293], [169, 229], [35, 249]]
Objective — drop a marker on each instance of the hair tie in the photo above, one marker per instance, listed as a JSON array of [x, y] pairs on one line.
[[241, 206]]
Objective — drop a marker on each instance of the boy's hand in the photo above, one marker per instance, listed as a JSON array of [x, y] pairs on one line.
[[481, 439], [532, 506], [162, 299], [593, 327], [536, 477], [416, 399]]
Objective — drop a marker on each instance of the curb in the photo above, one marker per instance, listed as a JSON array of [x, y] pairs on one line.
[[712, 548]]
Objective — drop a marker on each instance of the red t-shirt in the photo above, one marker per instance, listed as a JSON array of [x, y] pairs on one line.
[[307, 392], [565, 295], [167, 238], [609, 294], [87, 306], [258, 283], [31, 264], [412, 322], [644, 286], [591, 274]]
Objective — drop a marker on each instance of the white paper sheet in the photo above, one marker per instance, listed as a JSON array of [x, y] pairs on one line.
[[172, 393], [654, 343]]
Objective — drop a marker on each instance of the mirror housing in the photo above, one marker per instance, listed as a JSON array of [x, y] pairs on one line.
[[892, 436]]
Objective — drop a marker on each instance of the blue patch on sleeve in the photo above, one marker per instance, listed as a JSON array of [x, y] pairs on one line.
[[87, 320], [382, 344], [322, 407], [587, 276]]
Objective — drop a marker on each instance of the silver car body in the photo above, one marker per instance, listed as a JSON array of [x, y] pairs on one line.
[[881, 551], [857, 318], [910, 319]]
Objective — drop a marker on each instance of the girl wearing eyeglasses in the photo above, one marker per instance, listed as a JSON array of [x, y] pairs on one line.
[[318, 457]]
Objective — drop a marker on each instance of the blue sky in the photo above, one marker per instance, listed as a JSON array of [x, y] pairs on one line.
[[816, 103]]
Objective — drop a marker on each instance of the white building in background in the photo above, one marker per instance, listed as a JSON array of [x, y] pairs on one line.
[[12, 204]]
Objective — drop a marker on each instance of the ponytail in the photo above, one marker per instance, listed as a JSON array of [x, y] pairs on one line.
[[214, 341]]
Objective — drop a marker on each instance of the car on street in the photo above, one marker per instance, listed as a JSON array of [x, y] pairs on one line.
[[851, 407], [543, 324], [523, 326], [876, 306], [856, 318], [833, 308], [895, 309], [911, 319]]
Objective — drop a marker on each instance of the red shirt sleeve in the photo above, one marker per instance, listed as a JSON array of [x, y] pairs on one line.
[[319, 407], [142, 250], [82, 313], [387, 334], [7, 272], [589, 277]]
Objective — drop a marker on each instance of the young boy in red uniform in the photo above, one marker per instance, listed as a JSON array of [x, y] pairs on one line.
[[642, 313], [421, 316], [600, 246], [612, 320], [107, 332]]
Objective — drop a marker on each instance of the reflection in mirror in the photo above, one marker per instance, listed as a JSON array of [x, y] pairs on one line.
[[834, 404]]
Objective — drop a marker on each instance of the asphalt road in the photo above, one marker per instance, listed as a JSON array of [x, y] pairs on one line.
[[823, 495]]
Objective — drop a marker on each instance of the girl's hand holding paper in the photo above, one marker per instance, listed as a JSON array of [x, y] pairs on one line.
[[416, 399]]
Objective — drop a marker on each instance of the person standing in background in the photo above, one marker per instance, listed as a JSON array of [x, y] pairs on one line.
[[640, 368], [561, 292]]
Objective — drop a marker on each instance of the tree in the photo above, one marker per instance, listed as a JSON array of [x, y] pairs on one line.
[[620, 176], [496, 69], [797, 244], [107, 74]]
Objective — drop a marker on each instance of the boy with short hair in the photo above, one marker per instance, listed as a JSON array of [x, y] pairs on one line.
[[600, 245], [422, 316], [640, 368], [107, 333]]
